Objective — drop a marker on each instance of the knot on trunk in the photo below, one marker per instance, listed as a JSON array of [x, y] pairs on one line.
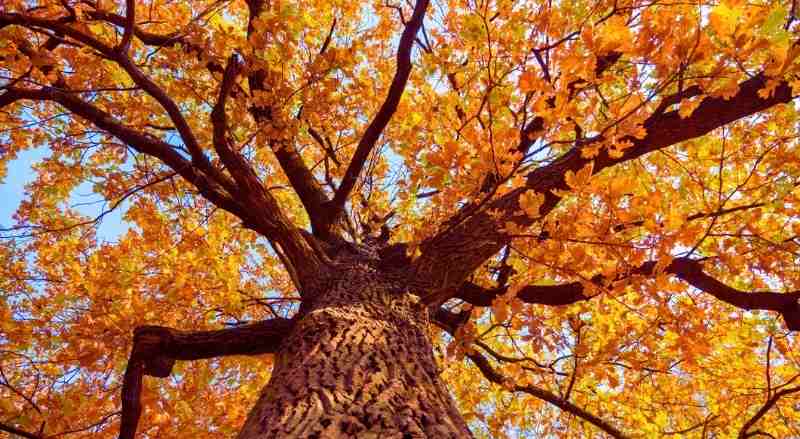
[[150, 343]]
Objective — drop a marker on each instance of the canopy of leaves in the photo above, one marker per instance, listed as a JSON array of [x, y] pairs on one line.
[[663, 134]]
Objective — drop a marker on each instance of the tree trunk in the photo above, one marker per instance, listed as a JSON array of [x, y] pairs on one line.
[[358, 363]]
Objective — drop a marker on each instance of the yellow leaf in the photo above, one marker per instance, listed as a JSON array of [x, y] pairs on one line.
[[530, 202], [529, 81], [688, 106], [639, 132], [768, 89], [614, 35], [613, 381], [591, 150], [724, 18], [576, 180]]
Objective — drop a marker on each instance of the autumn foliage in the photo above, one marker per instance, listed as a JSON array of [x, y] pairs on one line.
[[597, 201]]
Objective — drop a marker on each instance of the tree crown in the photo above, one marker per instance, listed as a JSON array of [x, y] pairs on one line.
[[597, 200]]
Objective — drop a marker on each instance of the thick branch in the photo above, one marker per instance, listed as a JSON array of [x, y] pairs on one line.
[[385, 113], [303, 182], [297, 172], [666, 129], [554, 295], [692, 273], [135, 139], [237, 166], [263, 214], [155, 342], [138, 77], [155, 349], [688, 270], [467, 241]]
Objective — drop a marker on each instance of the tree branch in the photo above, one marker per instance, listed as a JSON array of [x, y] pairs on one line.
[[250, 185], [152, 39], [299, 175], [130, 23], [325, 145], [262, 214], [688, 270], [468, 240], [16, 431], [497, 378], [691, 272], [385, 113], [553, 295], [745, 432], [138, 77], [239, 169], [528, 133], [156, 348], [137, 140], [448, 321]]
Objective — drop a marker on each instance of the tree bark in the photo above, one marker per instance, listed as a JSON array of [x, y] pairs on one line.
[[358, 364]]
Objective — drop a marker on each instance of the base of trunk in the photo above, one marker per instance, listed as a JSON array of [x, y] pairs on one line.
[[359, 363]]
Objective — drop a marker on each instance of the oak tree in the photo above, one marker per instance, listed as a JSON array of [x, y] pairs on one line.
[[401, 219]]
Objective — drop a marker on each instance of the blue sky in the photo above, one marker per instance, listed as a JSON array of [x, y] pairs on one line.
[[20, 173]]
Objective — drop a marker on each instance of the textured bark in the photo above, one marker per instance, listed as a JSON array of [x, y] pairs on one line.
[[357, 364]]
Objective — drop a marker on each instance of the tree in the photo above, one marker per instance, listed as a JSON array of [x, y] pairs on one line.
[[403, 219]]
